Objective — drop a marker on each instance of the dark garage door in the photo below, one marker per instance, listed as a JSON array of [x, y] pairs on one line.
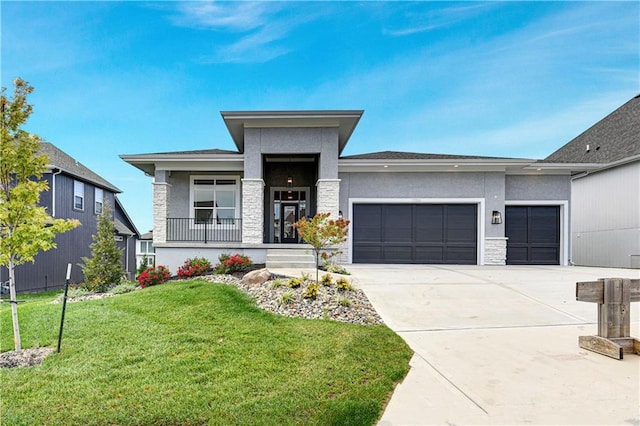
[[534, 235], [415, 233]]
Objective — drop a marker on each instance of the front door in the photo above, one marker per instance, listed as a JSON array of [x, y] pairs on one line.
[[289, 214]]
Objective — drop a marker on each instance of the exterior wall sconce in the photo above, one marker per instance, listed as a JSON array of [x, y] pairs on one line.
[[289, 181], [340, 216], [496, 218]]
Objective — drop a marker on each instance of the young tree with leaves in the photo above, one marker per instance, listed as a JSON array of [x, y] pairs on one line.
[[322, 233], [104, 269], [25, 228]]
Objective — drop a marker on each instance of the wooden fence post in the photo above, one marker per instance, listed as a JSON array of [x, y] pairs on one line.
[[614, 297]]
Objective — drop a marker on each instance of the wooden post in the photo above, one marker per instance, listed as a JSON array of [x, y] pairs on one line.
[[614, 297]]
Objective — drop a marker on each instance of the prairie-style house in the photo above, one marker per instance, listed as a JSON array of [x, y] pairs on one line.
[[403, 207]]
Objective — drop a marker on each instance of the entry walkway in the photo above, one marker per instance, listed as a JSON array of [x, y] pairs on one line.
[[499, 345]]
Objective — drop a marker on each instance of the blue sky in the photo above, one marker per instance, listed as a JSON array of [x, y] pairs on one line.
[[513, 79]]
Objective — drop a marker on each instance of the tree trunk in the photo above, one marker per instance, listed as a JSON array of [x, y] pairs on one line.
[[14, 305]]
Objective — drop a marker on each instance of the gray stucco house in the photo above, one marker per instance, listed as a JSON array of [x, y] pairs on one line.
[[403, 207], [75, 192], [605, 197]]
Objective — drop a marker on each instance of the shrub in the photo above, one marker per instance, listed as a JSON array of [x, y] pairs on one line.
[[287, 298], [230, 264], [104, 268], [124, 287], [305, 276], [344, 284], [194, 267], [278, 282], [326, 280], [294, 282], [144, 264], [312, 291], [73, 292], [344, 301], [336, 269], [153, 276]]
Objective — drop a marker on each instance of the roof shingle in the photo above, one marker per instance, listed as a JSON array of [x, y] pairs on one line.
[[615, 137]]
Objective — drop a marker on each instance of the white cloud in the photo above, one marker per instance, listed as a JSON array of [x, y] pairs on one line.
[[437, 18], [238, 16]]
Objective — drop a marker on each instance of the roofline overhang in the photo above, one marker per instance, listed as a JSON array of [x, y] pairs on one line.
[[114, 189], [149, 163], [509, 166], [603, 167], [345, 120]]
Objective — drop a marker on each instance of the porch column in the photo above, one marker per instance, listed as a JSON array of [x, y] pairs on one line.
[[160, 210], [328, 196], [252, 211]]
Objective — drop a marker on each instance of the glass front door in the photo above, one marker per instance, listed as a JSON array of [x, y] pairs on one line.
[[289, 206], [289, 214]]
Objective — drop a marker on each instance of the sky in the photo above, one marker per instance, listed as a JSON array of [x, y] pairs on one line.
[[509, 79]]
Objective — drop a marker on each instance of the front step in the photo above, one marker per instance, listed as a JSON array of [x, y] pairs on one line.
[[290, 258]]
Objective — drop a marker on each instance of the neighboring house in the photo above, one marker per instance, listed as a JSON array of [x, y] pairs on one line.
[[605, 199], [145, 249], [403, 207], [75, 192]]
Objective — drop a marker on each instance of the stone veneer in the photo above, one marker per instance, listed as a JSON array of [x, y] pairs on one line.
[[252, 211], [328, 196], [160, 211], [495, 251]]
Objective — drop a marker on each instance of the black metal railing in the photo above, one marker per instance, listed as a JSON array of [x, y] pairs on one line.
[[211, 231]]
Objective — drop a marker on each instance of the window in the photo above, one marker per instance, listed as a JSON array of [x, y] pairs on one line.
[[146, 247], [214, 199], [78, 195], [99, 200]]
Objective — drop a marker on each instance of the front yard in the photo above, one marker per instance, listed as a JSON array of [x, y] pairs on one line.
[[192, 352]]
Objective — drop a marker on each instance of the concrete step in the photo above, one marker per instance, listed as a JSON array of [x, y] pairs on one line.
[[299, 258]]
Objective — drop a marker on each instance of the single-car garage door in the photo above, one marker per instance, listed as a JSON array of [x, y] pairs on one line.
[[415, 233], [533, 234]]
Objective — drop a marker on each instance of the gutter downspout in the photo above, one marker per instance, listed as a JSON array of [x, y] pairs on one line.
[[53, 192]]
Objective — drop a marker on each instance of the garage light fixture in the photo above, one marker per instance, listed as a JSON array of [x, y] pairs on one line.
[[496, 218]]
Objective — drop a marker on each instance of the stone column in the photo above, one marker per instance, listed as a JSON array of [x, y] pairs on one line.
[[328, 196], [161, 191], [252, 211], [495, 251]]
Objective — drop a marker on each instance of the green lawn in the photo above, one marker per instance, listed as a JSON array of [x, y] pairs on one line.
[[193, 353]]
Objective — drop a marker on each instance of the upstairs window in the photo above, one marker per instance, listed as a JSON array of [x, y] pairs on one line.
[[214, 199], [99, 200], [146, 247], [78, 195]]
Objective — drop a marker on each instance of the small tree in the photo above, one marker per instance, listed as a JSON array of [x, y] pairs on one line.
[[323, 234], [104, 269], [25, 228]]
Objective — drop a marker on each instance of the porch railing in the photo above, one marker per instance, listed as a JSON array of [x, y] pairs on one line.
[[211, 231]]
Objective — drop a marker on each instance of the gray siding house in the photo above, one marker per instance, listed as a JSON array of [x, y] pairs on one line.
[[403, 207], [605, 198], [78, 193]]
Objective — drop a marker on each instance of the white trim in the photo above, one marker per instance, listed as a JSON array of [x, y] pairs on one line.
[[98, 200], [80, 185], [564, 221], [480, 202]]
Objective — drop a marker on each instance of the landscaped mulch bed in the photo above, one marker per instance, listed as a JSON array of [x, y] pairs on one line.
[[329, 303]]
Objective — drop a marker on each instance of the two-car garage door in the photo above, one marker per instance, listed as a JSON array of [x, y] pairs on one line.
[[415, 233], [448, 234]]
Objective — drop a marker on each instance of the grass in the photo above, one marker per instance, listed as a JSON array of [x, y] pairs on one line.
[[193, 353]]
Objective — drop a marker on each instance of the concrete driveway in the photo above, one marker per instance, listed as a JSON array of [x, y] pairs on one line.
[[499, 345]]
